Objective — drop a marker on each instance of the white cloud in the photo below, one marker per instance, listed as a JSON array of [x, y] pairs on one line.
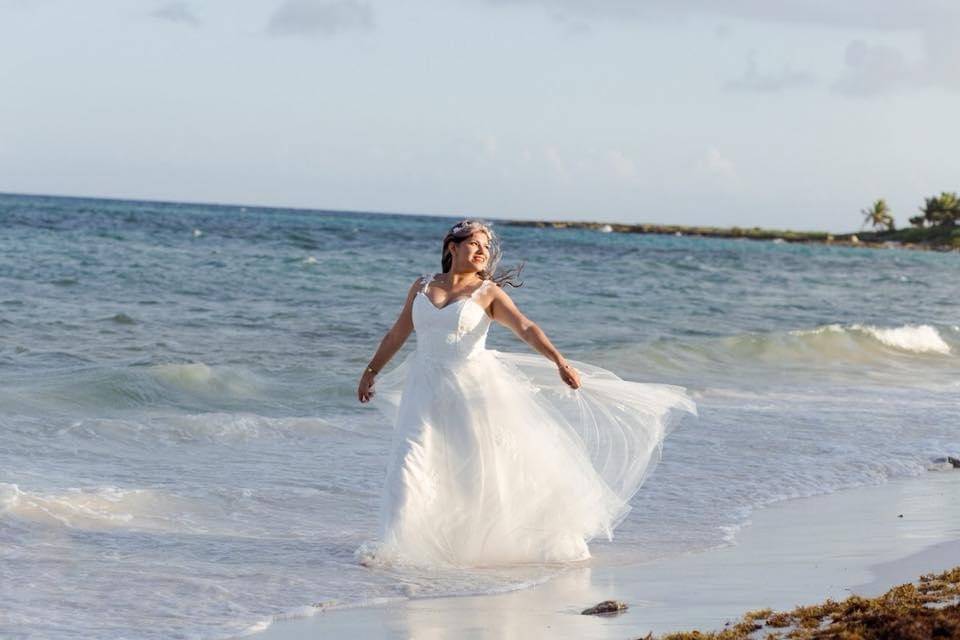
[[719, 169], [874, 69], [868, 69], [872, 14], [177, 12], [320, 18], [768, 82], [942, 54]]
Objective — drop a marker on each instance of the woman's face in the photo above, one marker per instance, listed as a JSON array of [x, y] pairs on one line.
[[472, 254]]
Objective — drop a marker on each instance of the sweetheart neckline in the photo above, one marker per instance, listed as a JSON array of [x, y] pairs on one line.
[[450, 304]]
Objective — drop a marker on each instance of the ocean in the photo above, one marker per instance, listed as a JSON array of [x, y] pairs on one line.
[[182, 454]]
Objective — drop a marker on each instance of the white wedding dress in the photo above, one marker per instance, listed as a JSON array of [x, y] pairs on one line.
[[495, 460]]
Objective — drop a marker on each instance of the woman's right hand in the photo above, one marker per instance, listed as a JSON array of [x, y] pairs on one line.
[[365, 389], [569, 375]]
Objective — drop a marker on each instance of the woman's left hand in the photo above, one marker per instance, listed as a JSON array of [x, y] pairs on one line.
[[365, 390], [569, 375]]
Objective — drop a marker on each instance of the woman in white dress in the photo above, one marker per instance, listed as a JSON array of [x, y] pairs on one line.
[[501, 458]]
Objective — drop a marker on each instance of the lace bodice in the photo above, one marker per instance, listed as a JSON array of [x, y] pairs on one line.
[[453, 334]]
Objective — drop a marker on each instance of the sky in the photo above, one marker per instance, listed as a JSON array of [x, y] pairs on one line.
[[788, 113]]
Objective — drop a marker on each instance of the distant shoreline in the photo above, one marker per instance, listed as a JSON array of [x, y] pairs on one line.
[[923, 239], [928, 239]]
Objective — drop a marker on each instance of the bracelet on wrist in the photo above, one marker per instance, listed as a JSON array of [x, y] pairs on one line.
[[370, 369]]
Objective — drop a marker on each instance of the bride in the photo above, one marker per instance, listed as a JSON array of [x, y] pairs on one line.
[[501, 458]]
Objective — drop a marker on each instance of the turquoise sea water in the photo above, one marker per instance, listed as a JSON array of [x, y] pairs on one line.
[[177, 412]]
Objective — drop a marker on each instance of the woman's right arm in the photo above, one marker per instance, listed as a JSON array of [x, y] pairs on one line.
[[390, 344]]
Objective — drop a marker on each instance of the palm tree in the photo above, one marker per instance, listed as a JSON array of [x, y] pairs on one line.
[[942, 210], [878, 215]]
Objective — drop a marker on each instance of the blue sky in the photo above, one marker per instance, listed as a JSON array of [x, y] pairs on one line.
[[731, 112]]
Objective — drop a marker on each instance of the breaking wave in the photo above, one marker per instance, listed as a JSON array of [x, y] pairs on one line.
[[101, 508], [193, 386], [198, 377], [922, 338], [914, 354]]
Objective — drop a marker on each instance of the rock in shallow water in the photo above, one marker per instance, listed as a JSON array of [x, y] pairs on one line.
[[606, 607], [954, 462]]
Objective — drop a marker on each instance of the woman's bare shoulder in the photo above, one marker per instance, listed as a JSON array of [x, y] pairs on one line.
[[489, 292], [497, 290], [417, 284]]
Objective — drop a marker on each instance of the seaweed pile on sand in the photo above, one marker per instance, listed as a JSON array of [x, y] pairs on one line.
[[927, 609]]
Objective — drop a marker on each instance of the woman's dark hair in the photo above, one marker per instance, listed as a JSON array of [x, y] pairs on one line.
[[463, 230]]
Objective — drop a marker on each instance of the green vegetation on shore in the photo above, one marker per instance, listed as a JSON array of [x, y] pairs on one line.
[[752, 233], [926, 610], [878, 216], [936, 228]]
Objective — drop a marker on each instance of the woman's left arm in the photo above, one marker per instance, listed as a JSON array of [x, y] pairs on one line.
[[503, 310]]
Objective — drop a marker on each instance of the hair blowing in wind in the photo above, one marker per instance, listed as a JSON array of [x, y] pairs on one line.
[[463, 230]]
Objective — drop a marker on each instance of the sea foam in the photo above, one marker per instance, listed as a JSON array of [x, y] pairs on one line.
[[922, 338], [212, 493], [916, 338], [97, 508], [200, 377]]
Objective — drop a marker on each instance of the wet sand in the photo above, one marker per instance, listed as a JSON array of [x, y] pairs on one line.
[[793, 552]]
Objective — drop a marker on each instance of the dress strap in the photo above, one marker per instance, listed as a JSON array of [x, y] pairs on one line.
[[482, 287], [425, 280]]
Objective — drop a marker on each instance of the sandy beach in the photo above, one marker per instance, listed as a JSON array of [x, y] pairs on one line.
[[359, 319], [861, 541], [158, 483]]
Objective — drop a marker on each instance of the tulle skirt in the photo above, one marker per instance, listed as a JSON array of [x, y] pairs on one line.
[[496, 461]]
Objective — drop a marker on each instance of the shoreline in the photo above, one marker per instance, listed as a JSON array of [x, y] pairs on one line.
[[862, 239], [921, 239], [795, 552]]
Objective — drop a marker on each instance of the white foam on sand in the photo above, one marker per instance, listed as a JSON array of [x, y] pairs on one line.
[[800, 551]]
